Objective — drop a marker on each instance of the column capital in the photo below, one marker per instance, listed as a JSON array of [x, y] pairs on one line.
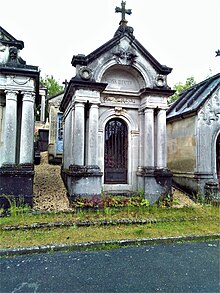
[[11, 91], [11, 94], [150, 110], [28, 96]]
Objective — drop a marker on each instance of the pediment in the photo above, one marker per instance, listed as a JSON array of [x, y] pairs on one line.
[[125, 48], [8, 40]]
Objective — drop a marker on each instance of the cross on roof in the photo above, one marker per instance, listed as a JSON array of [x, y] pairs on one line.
[[123, 12]]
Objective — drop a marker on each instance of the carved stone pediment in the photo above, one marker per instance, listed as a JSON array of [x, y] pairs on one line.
[[211, 110], [125, 56]]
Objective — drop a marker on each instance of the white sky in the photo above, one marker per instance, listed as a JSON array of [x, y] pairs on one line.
[[182, 34]]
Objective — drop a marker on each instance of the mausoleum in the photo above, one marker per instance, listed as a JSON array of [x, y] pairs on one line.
[[19, 86], [55, 146], [114, 116], [193, 136]]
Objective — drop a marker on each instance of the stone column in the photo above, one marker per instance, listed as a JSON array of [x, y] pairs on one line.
[[141, 140], [93, 135], [79, 134], [149, 138], [27, 128], [10, 129], [2, 104], [42, 112], [161, 139]]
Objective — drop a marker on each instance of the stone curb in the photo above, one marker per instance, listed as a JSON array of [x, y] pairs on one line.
[[102, 244], [87, 223]]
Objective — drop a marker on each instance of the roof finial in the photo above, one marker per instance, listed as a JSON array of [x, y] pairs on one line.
[[123, 12]]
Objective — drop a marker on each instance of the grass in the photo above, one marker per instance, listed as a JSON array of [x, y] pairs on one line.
[[152, 212], [200, 220], [67, 235]]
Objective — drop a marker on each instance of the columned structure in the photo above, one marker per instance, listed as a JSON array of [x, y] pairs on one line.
[[18, 87], [115, 120]]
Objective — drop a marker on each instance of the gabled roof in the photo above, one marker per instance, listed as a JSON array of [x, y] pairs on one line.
[[120, 33], [7, 39], [191, 100]]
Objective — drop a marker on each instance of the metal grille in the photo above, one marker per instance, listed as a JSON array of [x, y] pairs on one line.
[[116, 147]]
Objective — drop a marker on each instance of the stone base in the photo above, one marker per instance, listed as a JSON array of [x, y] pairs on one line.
[[156, 183], [82, 181], [16, 183], [194, 183]]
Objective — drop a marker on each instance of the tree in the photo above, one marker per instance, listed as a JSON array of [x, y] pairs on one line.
[[180, 87], [51, 84]]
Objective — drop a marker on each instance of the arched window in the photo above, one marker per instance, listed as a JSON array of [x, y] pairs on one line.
[[116, 152]]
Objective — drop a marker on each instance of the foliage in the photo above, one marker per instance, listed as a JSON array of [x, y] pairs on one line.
[[16, 207], [180, 87], [53, 87], [109, 201]]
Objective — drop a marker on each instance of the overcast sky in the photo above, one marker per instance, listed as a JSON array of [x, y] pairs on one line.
[[182, 34]]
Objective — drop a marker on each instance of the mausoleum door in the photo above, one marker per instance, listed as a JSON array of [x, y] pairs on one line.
[[116, 152], [218, 158]]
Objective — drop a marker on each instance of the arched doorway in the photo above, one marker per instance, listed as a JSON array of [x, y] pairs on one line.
[[116, 152], [218, 158]]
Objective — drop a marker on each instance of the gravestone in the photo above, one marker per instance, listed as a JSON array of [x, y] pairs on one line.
[[19, 85], [114, 115]]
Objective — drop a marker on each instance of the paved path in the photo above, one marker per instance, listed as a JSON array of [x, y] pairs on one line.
[[188, 267]]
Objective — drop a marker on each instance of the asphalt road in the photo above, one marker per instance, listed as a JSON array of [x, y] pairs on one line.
[[187, 267]]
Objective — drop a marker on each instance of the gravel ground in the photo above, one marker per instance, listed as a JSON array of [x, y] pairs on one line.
[[50, 193]]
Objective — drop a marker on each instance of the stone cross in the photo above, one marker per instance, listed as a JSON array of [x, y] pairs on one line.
[[217, 53], [65, 83], [123, 12]]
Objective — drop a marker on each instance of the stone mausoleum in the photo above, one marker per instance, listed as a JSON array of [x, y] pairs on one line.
[[193, 136], [19, 86], [114, 115]]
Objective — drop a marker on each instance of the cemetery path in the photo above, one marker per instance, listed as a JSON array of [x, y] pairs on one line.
[[50, 192]]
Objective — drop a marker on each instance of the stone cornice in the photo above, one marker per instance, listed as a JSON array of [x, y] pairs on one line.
[[77, 84]]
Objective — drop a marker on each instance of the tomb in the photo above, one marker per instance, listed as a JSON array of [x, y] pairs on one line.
[[193, 136], [114, 116], [55, 146], [19, 87]]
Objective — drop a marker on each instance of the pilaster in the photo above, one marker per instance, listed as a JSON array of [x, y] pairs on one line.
[[27, 128], [161, 139], [149, 138], [93, 135], [79, 134], [10, 129]]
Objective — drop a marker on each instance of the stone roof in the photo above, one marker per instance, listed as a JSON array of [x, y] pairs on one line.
[[120, 33], [191, 100]]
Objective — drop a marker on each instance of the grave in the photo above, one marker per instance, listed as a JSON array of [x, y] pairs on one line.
[[19, 87], [114, 116]]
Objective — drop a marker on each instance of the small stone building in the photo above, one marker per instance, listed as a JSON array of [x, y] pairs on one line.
[[193, 137], [55, 146], [19, 87], [114, 115]]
